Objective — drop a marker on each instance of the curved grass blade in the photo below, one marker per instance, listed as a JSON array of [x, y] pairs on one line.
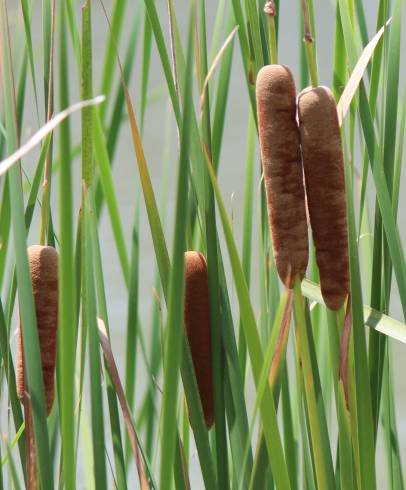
[[391, 104], [118, 107], [173, 344], [399, 156], [222, 98], [217, 30], [27, 27], [289, 430], [12, 391], [314, 401], [8, 162], [29, 211], [87, 179], [87, 93], [254, 33], [357, 74], [272, 371], [27, 308], [362, 386], [391, 230], [340, 58], [67, 324], [389, 156], [390, 426], [108, 354], [250, 73], [213, 266], [110, 53], [372, 318], [268, 413], [47, 48], [247, 227], [111, 394], [197, 152], [74, 30], [98, 436], [132, 320], [214, 65], [146, 60], [106, 180], [5, 225], [17, 438], [376, 73], [163, 53]]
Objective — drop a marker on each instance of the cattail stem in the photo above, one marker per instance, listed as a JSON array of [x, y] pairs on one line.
[[31, 457], [48, 161], [310, 49], [270, 12], [324, 471], [44, 211]]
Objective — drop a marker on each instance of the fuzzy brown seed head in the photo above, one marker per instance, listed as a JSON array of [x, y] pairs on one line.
[[283, 173], [43, 262], [197, 324], [325, 187]]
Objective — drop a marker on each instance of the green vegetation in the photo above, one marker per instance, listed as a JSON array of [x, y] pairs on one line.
[[304, 396]]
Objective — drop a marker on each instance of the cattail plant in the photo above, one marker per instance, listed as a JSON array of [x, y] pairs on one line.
[[325, 188], [43, 261], [197, 324], [282, 168]]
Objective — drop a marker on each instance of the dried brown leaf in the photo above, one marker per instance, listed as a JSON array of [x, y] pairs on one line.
[[108, 354]]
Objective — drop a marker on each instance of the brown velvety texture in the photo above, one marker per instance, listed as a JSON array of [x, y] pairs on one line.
[[325, 187], [197, 324], [43, 262], [283, 172]]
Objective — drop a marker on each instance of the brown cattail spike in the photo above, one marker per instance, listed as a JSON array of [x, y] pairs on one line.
[[43, 263], [197, 324], [325, 187], [283, 173]]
